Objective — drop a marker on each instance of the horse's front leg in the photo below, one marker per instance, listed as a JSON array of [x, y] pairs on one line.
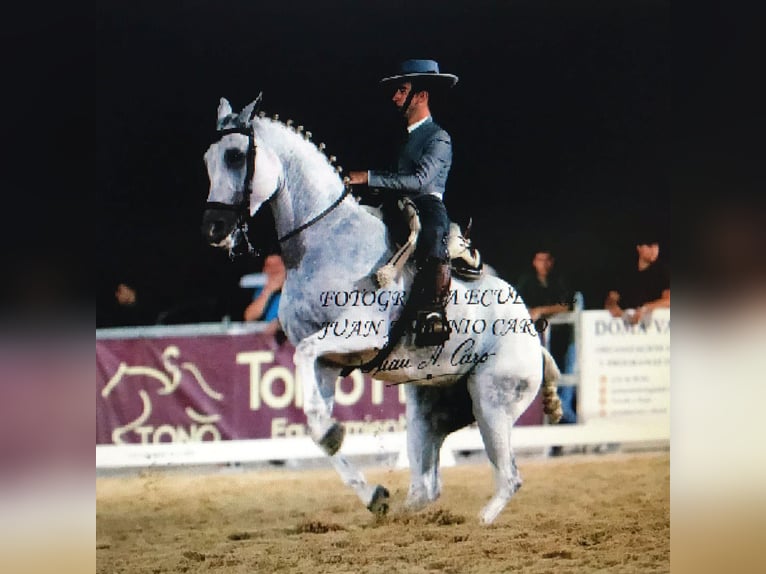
[[318, 380]]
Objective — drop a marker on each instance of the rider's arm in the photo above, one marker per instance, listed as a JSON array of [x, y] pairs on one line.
[[436, 156]]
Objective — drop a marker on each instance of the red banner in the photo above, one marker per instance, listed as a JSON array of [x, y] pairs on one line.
[[225, 387]]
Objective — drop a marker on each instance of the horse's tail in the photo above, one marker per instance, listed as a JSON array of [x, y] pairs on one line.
[[551, 374]]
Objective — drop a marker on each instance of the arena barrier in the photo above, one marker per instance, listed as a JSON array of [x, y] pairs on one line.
[[219, 393]]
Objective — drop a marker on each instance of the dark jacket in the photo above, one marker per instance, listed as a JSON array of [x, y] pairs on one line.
[[423, 165]]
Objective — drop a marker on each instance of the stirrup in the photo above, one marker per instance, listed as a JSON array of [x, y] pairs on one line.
[[431, 329], [471, 272]]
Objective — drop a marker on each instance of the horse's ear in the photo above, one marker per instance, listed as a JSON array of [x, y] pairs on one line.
[[224, 109], [247, 115]]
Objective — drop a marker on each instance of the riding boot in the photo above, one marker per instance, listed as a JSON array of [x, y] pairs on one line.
[[432, 327]]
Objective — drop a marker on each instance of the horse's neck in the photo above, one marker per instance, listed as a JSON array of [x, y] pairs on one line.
[[301, 200], [309, 187], [344, 232]]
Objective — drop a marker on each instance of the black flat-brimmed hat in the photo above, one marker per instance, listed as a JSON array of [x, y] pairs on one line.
[[421, 70]]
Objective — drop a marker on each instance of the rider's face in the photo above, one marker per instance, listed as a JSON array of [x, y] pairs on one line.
[[401, 93]]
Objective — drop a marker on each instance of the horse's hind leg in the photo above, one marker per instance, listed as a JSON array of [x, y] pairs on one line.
[[424, 442], [497, 403], [432, 413]]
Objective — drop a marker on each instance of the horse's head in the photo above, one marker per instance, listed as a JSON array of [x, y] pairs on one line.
[[237, 187]]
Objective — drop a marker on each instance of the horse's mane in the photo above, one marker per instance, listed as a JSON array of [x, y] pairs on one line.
[[306, 164], [288, 138]]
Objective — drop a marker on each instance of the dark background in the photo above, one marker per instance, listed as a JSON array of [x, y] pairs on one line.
[[560, 124]]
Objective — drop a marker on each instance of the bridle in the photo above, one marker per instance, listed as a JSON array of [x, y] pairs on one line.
[[239, 235], [243, 208]]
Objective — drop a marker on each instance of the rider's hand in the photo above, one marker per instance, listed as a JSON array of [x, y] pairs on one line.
[[357, 177]]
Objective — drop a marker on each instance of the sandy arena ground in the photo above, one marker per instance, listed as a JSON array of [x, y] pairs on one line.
[[574, 514]]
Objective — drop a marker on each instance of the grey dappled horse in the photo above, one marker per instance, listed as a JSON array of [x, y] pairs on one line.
[[490, 369]]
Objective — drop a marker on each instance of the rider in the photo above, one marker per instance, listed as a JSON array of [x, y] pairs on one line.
[[423, 165]]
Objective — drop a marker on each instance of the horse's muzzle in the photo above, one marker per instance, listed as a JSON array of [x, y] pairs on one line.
[[218, 224]]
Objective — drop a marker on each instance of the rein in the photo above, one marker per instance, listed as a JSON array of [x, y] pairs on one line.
[[313, 220]]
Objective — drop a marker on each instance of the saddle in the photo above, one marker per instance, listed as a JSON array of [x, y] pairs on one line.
[[465, 260], [401, 218]]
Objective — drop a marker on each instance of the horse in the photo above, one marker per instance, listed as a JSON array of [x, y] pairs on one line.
[[339, 318]]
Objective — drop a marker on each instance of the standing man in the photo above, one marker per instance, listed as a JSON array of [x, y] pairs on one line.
[[421, 174], [547, 292]]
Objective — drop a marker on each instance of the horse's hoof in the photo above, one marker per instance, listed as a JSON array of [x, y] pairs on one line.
[[333, 438], [379, 503]]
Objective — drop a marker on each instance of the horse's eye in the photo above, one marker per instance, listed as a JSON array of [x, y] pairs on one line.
[[234, 158]]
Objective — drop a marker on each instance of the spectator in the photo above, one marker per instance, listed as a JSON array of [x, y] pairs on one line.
[[129, 306], [265, 303], [642, 287], [546, 292], [639, 289]]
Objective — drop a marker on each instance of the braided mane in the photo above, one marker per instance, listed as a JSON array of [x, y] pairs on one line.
[[307, 137]]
